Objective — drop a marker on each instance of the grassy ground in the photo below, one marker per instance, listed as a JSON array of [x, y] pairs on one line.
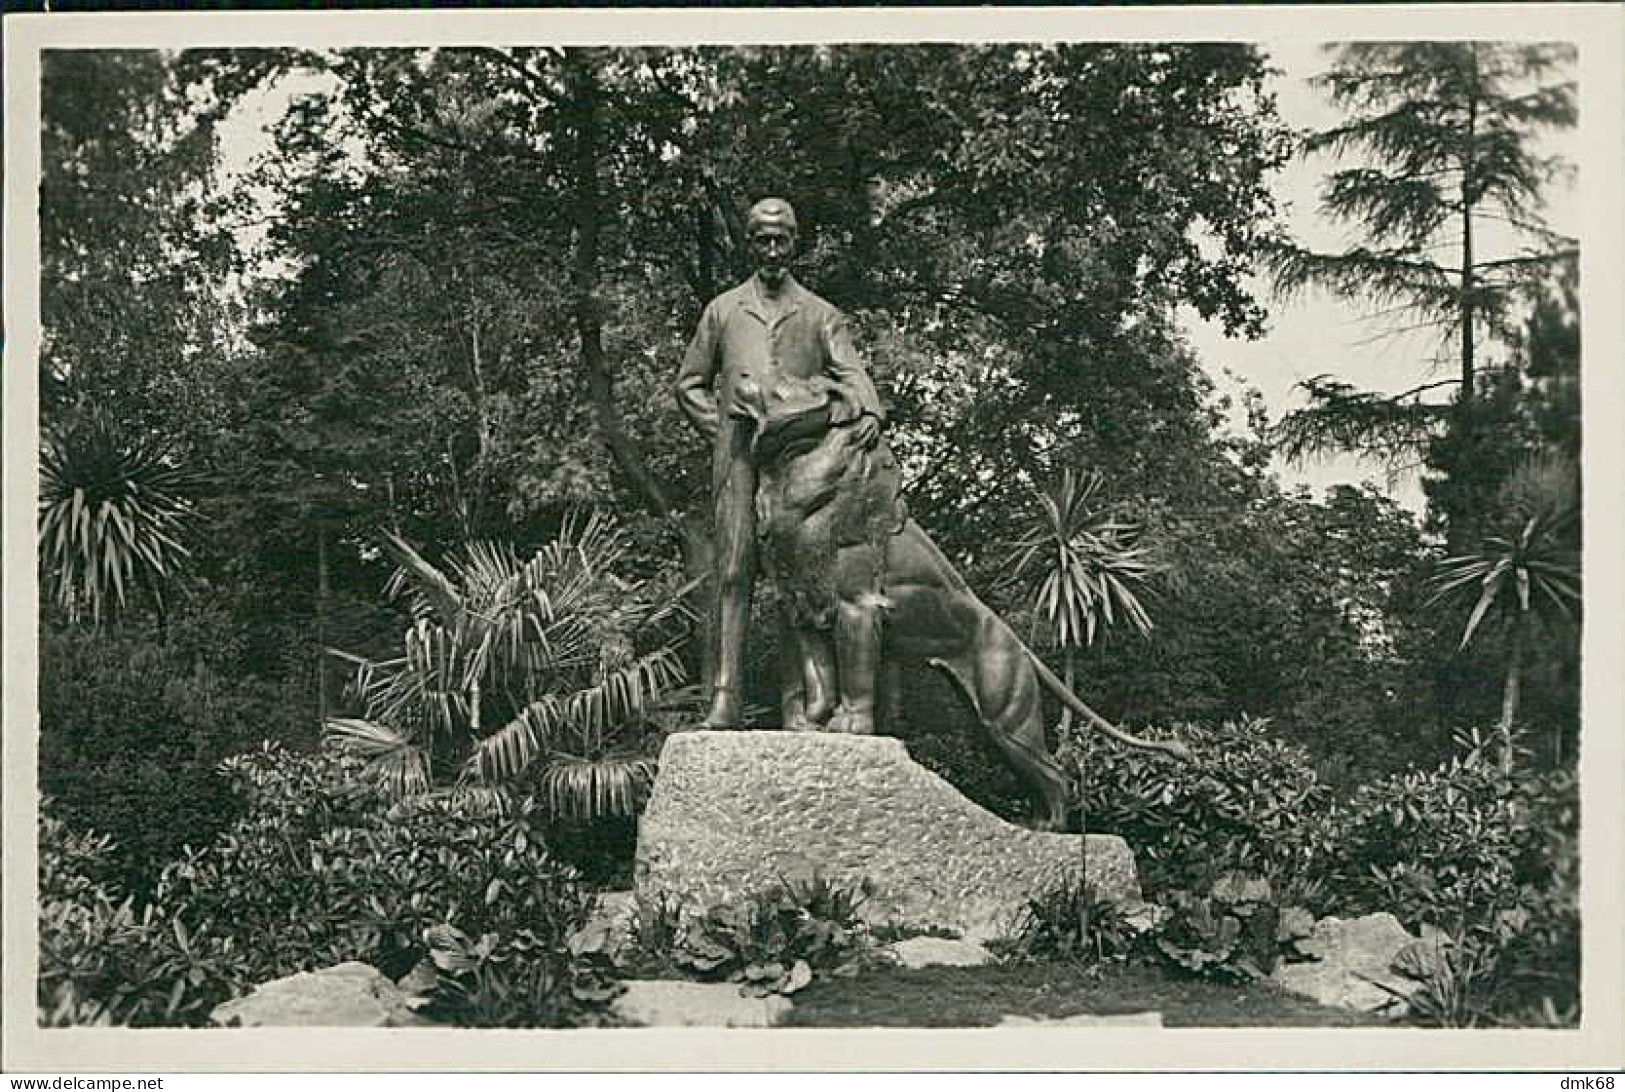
[[982, 996]]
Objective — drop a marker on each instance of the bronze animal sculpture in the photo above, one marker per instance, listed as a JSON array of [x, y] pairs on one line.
[[862, 583]]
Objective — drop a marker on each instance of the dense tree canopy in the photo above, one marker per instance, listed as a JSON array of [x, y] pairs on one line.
[[481, 265]]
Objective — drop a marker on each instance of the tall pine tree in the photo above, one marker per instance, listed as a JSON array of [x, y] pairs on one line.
[[1444, 137]]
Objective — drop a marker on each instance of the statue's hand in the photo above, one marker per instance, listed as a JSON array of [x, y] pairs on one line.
[[867, 430]]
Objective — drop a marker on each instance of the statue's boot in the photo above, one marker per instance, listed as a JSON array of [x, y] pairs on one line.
[[725, 709]]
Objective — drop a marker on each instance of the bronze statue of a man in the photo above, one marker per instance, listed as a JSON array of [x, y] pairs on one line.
[[767, 327]]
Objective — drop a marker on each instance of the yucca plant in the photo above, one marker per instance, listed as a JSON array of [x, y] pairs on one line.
[[515, 669], [1085, 565], [1529, 573], [114, 516]]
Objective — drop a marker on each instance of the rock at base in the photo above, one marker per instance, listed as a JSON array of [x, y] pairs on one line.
[[735, 812], [1087, 1020], [349, 995], [918, 952], [1353, 961], [663, 1004], [609, 927]]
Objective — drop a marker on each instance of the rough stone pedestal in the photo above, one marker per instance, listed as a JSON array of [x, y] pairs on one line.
[[734, 812]]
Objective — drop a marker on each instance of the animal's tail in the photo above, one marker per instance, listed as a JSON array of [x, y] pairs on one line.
[[1061, 690], [1064, 693]]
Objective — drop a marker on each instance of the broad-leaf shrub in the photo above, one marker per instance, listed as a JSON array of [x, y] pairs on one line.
[[1241, 804], [515, 980], [132, 730], [95, 949], [774, 941], [316, 873], [1537, 972], [1236, 932], [330, 874], [1464, 842], [1490, 858]]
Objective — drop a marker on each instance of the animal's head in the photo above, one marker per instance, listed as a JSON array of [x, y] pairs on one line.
[[787, 411]]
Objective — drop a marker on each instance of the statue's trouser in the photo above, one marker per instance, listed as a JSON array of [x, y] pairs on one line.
[[735, 575]]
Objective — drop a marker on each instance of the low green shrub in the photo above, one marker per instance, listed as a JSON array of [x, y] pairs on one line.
[[132, 729], [1070, 920], [1537, 970], [774, 941], [1487, 857], [1242, 803], [1455, 845], [315, 873], [515, 980], [98, 954], [1237, 932]]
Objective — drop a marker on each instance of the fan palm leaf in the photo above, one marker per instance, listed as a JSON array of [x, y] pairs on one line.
[[547, 648], [394, 761], [586, 717], [587, 788]]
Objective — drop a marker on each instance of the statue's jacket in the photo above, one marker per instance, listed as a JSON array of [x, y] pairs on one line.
[[739, 339]]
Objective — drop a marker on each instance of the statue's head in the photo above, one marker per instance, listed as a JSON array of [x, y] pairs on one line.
[[770, 227]]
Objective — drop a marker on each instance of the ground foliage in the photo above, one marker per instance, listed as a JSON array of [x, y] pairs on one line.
[[316, 873]]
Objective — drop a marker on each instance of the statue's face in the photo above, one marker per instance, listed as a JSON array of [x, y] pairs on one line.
[[771, 246]]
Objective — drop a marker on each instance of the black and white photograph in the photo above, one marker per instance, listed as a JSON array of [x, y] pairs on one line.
[[671, 534]]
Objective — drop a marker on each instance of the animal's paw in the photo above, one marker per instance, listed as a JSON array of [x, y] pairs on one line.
[[852, 722]]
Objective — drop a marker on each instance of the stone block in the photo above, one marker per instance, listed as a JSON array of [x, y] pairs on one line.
[[1087, 1020], [734, 812], [1353, 961], [939, 952], [349, 995], [668, 1004]]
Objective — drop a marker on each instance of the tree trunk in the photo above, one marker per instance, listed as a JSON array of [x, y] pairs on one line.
[[1468, 199], [589, 319], [705, 270], [1509, 693], [693, 533], [1465, 423], [472, 518], [1069, 671]]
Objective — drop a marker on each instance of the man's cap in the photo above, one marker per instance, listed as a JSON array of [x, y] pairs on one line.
[[771, 212]]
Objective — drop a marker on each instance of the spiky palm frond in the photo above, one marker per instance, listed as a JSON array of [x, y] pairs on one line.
[[1087, 562], [431, 593], [394, 761], [1532, 568], [114, 516], [578, 787], [583, 721]]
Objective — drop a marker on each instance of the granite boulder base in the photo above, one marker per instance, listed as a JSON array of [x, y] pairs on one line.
[[735, 812]]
